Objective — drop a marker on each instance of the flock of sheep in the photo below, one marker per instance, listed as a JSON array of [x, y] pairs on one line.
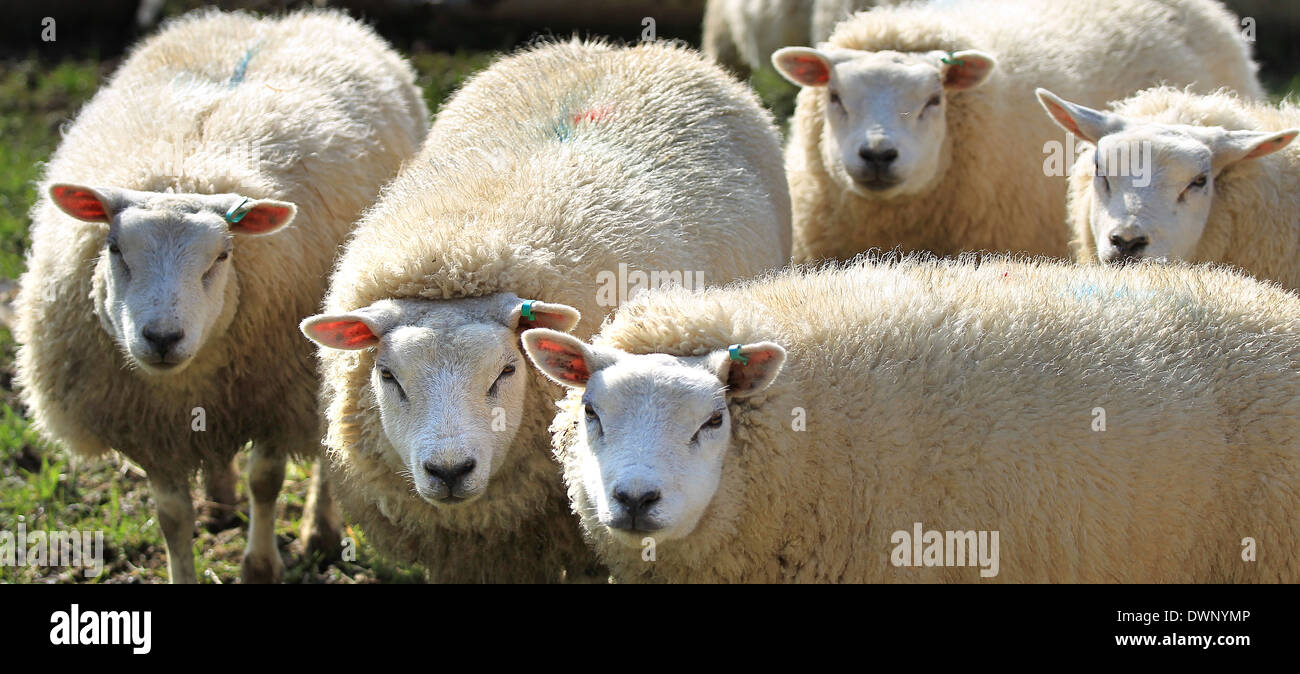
[[780, 424]]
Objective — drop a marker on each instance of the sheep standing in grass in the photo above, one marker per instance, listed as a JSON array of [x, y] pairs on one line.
[[187, 221], [1220, 186], [548, 178], [917, 126], [1108, 424]]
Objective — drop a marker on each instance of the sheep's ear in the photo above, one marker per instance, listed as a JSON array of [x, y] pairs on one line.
[[803, 66], [562, 357], [747, 369], [355, 330], [89, 204], [1238, 146], [1082, 121], [966, 69], [257, 216], [529, 314]]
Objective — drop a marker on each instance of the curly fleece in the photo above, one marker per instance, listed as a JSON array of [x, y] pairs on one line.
[[553, 165], [961, 396]]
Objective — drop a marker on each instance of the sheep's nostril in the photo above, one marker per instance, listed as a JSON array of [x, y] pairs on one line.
[[162, 341], [1129, 246], [637, 504], [451, 476], [881, 158]]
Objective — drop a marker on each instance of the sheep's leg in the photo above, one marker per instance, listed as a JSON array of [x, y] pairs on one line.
[[176, 516], [321, 522], [219, 486], [262, 563]]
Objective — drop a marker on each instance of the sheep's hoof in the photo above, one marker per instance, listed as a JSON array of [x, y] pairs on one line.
[[323, 543], [261, 570], [216, 518]]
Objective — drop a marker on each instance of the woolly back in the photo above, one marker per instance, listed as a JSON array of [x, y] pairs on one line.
[[887, 353]]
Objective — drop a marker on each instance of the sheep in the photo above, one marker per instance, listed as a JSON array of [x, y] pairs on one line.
[[550, 177], [742, 34], [916, 127], [186, 222], [1211, 183], [801, 427]]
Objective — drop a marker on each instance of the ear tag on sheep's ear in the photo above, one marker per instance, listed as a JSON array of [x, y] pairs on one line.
[[237, 213], [951, 60], [526, 311], [734, 352]]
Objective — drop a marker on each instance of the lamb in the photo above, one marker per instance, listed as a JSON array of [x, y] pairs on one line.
[[801, 427], [173, 254], [1211, 184], [916, 126], [552, 177], [742, 34]]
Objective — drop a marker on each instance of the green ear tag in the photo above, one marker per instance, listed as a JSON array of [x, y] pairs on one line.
[[734, 352], [950, 60], [527, 310], [236, 213]]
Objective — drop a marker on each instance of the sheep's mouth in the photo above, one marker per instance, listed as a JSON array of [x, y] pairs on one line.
[[155, 365]]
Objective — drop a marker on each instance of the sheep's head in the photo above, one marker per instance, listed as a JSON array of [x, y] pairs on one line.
[[166, 266], [657, 428], [450, 380], [1153, 184], [885, 128]]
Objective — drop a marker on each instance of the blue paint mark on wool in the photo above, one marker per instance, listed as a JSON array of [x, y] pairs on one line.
[[242, 68], [1091, 291]]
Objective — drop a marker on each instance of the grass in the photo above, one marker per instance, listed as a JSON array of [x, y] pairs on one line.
[[40, 487]]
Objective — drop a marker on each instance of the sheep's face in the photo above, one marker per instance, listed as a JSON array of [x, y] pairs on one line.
[[885, 132], [450, 381], [656, 428], [166, 265], [1153, 185]]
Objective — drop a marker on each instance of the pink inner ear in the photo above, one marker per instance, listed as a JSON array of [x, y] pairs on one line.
[[570, 365], [808, 70], [1269, 147], [80, 204], [262, 218], [965, 76], [1064, 119], [344, 334]]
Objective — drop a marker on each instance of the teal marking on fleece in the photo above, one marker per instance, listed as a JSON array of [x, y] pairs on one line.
[[1091, 291], [242, 68]]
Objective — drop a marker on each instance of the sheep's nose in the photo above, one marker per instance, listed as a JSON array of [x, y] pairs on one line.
[[637, 503], [162, 341], [881, 158], [1129, 244], [451, 476]]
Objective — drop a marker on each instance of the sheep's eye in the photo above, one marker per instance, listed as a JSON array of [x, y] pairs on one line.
[[386, 374], [509, 369], [934, 100], [225, 255], [112, 248], [591, 412], [714, 421], [1101, 176], [1200, 181], [835, 98]]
